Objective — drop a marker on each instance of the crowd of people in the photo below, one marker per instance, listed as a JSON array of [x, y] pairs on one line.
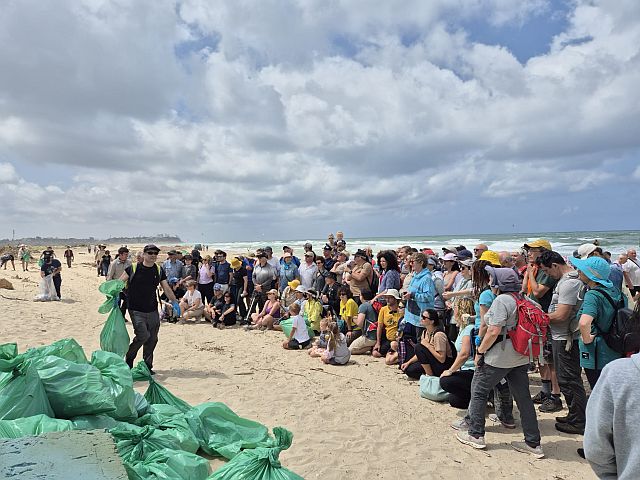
[[445, 318]]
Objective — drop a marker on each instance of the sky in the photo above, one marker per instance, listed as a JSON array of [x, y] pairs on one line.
[[240, 120]]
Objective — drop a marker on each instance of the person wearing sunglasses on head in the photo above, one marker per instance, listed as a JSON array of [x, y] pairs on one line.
[[143, 280]]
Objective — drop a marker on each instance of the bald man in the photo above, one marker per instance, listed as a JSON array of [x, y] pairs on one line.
[[506, 260], [479, 249]]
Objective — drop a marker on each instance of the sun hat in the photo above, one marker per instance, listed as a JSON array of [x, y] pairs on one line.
[[449, 257], [595, 269], [149, 248], [293, 284], [344, 252], [504, 279], [490, 256], [540, 243], [586, 249], [392, 292], [274, 292], [235, 263], [450, 248], [312, 293], [467, 263], [301, 289]]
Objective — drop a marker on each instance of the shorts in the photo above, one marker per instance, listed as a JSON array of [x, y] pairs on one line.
[[296, 345], [385, 347]]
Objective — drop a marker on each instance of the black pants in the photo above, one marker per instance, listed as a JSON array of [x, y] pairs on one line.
[[69, 262], [569, 376], [385, 346], [425, 357], [123, 303], [57, 282], [145, 327], [458, 385], [206, 290], [592, 376], [236, 295]]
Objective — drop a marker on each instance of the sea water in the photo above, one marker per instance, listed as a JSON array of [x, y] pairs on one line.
[[565, 243]]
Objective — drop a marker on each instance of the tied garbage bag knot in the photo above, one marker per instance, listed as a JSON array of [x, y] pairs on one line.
[[156, 393], [114, 336]]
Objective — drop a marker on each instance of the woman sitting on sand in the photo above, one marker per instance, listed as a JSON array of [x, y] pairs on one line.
[[348, 314], [289, 294], [270, 313], [191, 305], [435, 353]]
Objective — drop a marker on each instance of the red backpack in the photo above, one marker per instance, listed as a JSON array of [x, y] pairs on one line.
[[530, 333]]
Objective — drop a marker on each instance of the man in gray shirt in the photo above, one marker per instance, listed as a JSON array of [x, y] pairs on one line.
[[498, 360], [116, 269], [565, 303], [613, 412], [263, 275]]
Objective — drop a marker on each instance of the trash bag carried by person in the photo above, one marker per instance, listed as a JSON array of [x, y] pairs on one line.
[[114, 336], [47, 290]]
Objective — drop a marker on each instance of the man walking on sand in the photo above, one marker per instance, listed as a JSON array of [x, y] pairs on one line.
[[68, 254], [144, 279]]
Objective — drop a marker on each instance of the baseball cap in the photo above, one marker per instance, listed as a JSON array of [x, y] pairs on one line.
[[586, 249], [327, 247], [150, 248], [449, 257], [172, 252], [540, 243]]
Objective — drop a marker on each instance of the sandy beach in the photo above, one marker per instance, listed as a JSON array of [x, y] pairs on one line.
[[360, 421]]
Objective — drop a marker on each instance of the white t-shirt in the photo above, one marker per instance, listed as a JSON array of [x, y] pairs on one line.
[[307, 272], [191, 297], [633, 270], [301, 334]]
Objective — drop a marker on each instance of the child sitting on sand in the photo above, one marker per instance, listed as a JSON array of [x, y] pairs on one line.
[[320, 345], [299, 337], [337, 352]]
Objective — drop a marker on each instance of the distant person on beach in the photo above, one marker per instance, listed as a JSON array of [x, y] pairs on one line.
[[116, 269], [631, 272], [68, 255], [98, 258], [143, 304], [239, 286], [25, 257], [105, 263], [205, 279], [5, 259], [52, 266]]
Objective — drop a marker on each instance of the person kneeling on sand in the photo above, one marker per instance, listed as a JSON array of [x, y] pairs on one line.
[[367, 320], [191, 304], [299, 337]]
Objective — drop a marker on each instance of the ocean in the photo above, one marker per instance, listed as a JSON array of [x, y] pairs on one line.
[[562, 242]]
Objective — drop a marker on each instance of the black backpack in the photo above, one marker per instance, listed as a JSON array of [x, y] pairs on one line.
[[624, 335]]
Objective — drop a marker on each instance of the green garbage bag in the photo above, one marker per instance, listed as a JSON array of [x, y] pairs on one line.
[[168, 464], [8, 351], [260, 463], [156, 393], [22, 393], [223, 433], [66, 348], [141, 404], [35, 425], [95, 422], [168, 417], [286, 328], [117, 376], [73, 389], [135, 443], [114, 336]]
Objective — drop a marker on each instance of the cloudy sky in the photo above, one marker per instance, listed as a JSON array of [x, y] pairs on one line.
[[239, 120]]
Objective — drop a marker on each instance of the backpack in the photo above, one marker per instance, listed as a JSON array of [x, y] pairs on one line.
[[375, 281], [624, 335], [530, 333]]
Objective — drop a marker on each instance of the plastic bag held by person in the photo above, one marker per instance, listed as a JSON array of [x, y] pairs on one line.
[[47, 291], [114, 336]]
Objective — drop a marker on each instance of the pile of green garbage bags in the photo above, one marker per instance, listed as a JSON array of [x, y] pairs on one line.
[[56, 388]]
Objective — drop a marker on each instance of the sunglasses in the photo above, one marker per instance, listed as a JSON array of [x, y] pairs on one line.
[[426, 317], [151, 253]]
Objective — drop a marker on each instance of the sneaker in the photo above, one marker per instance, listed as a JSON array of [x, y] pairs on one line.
[[540, 397], [550, 405], [475, 442], [562, 419], [524, 448], [461, 424], [570, 428], [494, 418]]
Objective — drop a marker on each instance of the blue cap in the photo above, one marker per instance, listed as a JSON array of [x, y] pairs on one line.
[[595, 269], [173, 280]]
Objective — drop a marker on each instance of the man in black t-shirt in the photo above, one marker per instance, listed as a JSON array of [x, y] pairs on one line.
[[143, 304], [52, 266]]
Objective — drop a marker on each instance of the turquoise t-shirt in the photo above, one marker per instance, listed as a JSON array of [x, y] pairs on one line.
[[486, 298], [598, 307], [465, 332]]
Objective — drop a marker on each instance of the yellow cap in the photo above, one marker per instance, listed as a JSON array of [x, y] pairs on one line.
[[492, 257], [293, 284], [540, 243]]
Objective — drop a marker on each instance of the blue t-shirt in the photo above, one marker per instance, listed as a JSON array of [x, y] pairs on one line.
[[465, 332], [597, 306], [486, 298], [223, 270], [48, 268]]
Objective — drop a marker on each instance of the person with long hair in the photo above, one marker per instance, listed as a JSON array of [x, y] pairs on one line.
[[435, 353], [389, 273]]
